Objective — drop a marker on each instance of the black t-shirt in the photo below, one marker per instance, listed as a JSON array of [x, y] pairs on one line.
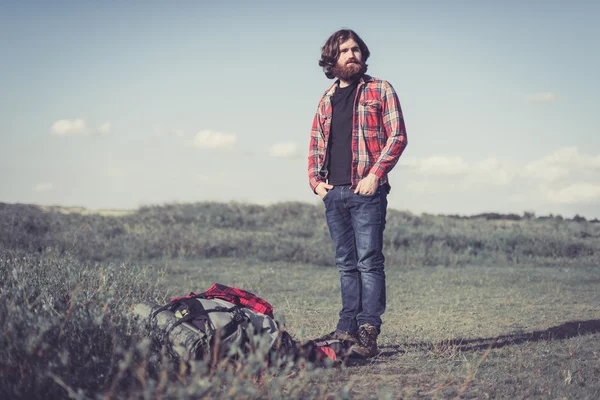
[[340, 148]]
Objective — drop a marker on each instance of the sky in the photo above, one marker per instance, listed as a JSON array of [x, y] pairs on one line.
[[111, 104]]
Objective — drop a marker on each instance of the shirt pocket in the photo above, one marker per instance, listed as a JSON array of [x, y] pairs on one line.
[[369, 114], [325, 123]]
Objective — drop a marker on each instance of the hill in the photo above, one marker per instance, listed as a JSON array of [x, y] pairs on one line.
[[295, 232]]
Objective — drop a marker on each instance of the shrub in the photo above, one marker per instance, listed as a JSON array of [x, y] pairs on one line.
[[295, 232], [66, 332]]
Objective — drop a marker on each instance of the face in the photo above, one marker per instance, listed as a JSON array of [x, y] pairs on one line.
[[349, 53], [349, 64]]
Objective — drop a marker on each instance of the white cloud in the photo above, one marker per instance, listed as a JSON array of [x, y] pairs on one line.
[[447, 173], [284, 150], [437, 165], [64, 127], [43, 187], [105, 128], [540, 170], [564, 178], [541, 97], [213, 140], [562, 164], [491, 171], [72, 127], [577, 193]]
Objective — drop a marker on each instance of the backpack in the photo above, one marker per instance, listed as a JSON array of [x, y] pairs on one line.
[[333, 349], [210, 323]]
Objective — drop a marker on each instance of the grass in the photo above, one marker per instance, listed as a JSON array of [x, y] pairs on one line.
[[523, 324], [296, 232], [472, 332], [87, 211]]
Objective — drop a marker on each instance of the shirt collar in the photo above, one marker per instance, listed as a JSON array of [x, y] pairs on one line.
[[363, 79]]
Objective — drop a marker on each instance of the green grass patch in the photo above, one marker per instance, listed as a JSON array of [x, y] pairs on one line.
[[471, 332], [524, 323], [295, 232]]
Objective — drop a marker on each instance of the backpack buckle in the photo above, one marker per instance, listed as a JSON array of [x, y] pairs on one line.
[[238, 316]]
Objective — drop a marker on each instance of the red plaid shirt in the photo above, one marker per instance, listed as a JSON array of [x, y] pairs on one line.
[[378, 133], [233, 295]]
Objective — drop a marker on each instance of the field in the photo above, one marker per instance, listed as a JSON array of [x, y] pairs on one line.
[[492, 306]]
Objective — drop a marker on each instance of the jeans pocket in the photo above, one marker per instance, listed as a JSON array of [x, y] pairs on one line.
[[370, 195]]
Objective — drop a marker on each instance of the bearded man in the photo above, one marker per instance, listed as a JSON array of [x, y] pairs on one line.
[[357, 137]]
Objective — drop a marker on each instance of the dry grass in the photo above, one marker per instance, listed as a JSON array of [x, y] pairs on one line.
[[87, 211], [523, 324], [468, 332]]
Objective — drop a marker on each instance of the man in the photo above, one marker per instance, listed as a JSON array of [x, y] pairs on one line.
[[357, 137]]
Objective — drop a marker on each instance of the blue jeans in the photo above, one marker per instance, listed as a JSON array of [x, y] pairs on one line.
[[356, 224]]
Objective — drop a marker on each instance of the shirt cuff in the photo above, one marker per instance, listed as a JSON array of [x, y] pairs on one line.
[[378, 170], [314, 182]]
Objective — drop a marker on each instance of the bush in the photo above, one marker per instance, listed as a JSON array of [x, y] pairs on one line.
[[66, 332], [295, 232]]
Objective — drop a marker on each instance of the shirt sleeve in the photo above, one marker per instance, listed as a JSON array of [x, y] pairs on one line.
[[393, 122], [315, 152]]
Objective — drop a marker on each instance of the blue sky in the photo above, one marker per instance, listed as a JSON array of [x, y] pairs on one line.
[[122, 104]]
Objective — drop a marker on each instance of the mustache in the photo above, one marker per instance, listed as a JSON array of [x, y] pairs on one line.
[[352, 61]]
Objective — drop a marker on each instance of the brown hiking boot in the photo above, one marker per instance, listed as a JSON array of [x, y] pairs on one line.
[[339, 335], [367, 342]]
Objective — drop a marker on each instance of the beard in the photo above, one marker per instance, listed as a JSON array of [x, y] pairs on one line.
[[351, 71]]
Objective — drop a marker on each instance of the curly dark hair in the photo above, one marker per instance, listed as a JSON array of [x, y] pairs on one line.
[[331, 50]]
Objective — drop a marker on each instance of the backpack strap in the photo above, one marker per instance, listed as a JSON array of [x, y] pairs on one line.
[[167, 306], [231, 326], [238, 318]]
